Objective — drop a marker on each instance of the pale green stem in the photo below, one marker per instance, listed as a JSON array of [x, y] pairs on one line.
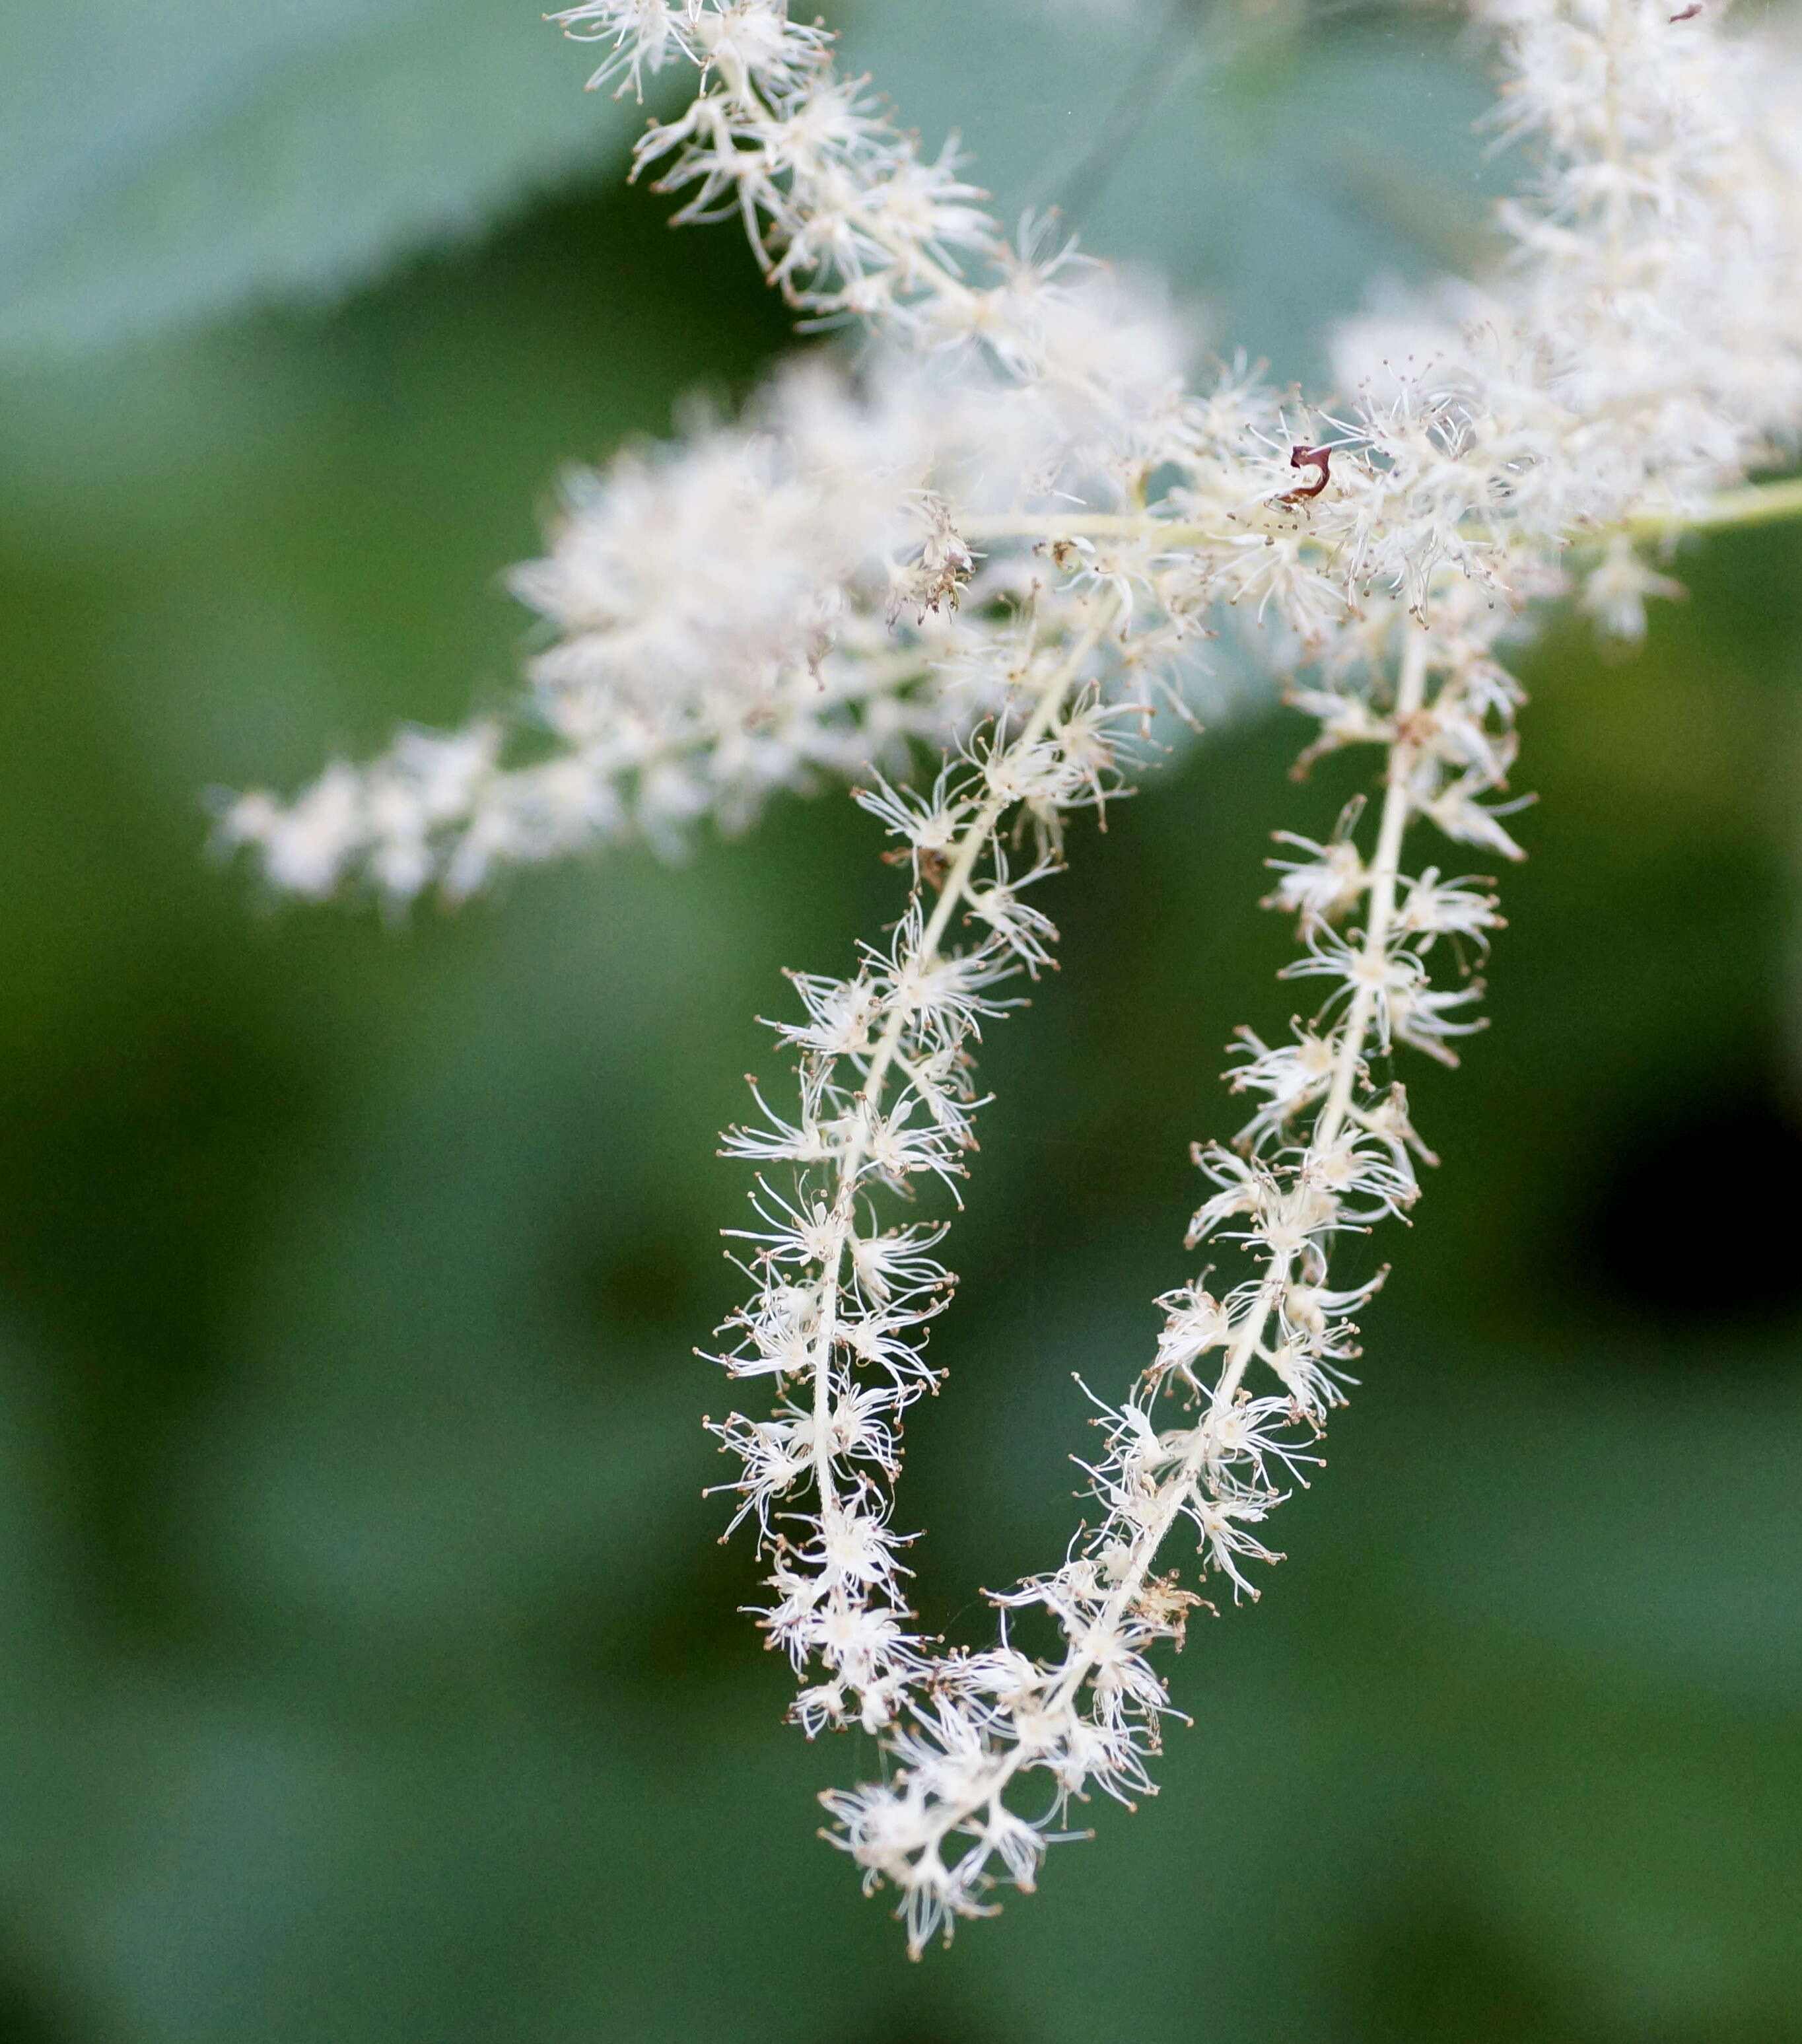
[[1755, 504], [1386, 868]]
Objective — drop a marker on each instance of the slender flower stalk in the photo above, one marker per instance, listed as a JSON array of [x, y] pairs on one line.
[[1753, 504], [1756, 504], [956, 571]]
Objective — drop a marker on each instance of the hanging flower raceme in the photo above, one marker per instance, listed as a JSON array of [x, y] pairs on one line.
[[961, 574]]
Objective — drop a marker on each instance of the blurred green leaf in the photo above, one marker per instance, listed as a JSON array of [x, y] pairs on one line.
[[1275, 162], [156, 169], [161, 164]]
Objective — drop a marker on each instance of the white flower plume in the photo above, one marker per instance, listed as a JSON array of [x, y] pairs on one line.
[[988, 548]]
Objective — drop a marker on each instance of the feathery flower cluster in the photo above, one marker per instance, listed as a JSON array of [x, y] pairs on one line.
[[887, 1098], [719, 612], [849, 219], [997, 538], [1226, 1416]]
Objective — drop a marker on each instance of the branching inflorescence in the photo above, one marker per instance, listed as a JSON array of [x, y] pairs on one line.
[[1000, 538]]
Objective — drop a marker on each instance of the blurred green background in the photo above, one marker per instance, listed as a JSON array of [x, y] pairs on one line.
[[368, 1667]]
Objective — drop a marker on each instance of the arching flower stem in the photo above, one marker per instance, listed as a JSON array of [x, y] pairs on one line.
[[1385, 869]]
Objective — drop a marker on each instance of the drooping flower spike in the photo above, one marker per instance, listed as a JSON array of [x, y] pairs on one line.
[[960, 571]]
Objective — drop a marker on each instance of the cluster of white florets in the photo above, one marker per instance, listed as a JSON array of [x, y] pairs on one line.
[[1601, 379], [841, 1298], [716, 614], [1659, 238], [760, 606], [998, 540], [1201, 1441]]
